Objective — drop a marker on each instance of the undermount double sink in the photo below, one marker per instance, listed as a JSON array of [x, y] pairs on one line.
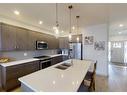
[[63, 66]]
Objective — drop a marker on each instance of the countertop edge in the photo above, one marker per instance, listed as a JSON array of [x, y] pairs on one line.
[[18, 62], [26, 60]]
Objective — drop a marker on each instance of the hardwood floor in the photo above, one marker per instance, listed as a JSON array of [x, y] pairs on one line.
[[101, 84], [116, 82]]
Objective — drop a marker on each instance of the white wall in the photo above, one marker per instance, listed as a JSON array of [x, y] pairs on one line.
[[100, 33]]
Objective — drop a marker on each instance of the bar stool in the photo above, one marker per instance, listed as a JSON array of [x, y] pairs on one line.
[[83, 88], [88, 83], [89, 79]]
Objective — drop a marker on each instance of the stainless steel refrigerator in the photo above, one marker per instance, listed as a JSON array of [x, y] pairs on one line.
[[75, 50]]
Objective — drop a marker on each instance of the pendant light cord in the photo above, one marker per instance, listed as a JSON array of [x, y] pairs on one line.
[[77, 17], [70, 20], [70, 7], [57, 15]]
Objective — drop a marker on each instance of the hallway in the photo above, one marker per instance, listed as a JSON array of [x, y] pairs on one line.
[[116, 82]]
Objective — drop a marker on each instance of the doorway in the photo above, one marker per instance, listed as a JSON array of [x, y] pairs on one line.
[[118, 53]]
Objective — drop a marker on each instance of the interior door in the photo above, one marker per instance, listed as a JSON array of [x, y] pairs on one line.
[[117, 51]]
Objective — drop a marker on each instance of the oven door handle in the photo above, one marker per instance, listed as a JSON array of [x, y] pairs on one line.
[[45, 61]]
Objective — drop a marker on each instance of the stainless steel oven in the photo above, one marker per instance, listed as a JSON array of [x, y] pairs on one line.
[[45, 63]]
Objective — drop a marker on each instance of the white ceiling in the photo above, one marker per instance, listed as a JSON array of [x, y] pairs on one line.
[[90, 14]]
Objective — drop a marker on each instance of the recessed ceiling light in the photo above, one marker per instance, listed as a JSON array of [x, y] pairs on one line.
[[120, 32], [16, 12], [73, 27], [121, 25], [40, 22]]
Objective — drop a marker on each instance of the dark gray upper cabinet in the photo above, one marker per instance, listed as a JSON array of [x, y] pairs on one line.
[[32, 37], [53, 42], [64, 41], [8, 37], [39, 36], [74, 38], [22, 39], [17, 38]]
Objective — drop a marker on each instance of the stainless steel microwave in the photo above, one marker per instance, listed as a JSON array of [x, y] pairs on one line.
[[41, 45]]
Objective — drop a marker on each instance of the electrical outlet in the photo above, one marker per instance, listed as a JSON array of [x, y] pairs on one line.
[[25, 54]]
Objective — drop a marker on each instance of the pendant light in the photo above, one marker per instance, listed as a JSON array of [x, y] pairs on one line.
[[56, 28], [77, 17], [70, 36]]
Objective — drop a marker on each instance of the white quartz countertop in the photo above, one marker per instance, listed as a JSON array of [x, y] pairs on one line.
[[55, 55], [52, 79], [18, 62], [25, 60]]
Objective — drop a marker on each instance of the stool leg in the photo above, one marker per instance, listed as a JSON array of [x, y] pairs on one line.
[[94, 85]]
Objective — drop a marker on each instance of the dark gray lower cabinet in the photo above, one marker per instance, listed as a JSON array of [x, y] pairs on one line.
[[0, 80], [11, 74], [65, 57], [58, 59]]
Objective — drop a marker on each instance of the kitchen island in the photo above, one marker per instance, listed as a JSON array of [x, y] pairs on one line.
[[53, 79]]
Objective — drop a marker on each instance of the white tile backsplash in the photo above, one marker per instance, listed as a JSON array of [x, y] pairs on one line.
[[19, 55]]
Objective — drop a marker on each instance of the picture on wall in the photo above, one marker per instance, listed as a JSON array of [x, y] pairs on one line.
[[88, 40], [99, 45]]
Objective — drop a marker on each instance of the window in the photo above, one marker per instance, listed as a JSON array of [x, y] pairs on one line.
[[116, 45]]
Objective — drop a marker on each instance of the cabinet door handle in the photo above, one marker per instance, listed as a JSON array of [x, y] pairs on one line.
[[15, 47]]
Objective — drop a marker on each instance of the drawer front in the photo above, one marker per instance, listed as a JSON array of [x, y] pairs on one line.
[[59, 59], [56, 60], [13, 72], [65, 58], [30, 68], [17, 71], [11, 84]]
